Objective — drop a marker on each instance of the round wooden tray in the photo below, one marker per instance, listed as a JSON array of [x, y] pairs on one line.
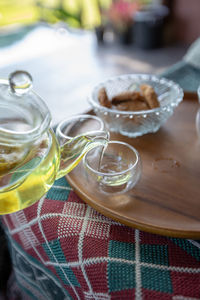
[[166, 200]]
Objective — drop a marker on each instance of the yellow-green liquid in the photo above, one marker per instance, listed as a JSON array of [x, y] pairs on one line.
[[33, 186], [26, 183]]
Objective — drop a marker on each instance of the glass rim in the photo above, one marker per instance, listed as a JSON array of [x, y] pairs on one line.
[[74, 117], [137, 160]]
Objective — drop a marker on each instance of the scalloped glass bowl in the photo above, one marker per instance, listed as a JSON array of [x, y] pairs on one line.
[[137, 123]]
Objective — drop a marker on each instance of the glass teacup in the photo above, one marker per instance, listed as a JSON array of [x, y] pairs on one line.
[[198, 115], [116, 168]]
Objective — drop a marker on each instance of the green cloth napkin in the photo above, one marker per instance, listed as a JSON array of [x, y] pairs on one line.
[[187, 76], [187, 72]]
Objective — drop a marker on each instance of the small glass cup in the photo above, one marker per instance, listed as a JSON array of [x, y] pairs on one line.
[[78, 125], [198, 123], [198, 92], [198, 115], [114, 169]]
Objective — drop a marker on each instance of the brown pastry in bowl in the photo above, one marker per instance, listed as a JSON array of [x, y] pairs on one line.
[[135, 105], [103, 98], [150, 96], [145, 99]]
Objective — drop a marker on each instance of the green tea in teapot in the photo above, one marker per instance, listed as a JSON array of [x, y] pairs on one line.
[[22, 182], [31, 156], [46, 161]]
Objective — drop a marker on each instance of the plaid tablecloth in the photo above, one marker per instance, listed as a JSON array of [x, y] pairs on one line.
[[61, 248]]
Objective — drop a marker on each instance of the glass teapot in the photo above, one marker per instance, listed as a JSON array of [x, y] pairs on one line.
[[31, 157]]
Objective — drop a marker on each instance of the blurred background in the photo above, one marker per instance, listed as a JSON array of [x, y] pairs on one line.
[[70, 45], [104, 15]]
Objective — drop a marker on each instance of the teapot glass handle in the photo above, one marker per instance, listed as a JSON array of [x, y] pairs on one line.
[[73, 150]]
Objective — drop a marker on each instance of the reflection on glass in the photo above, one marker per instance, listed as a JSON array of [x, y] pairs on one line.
[[198, 122]]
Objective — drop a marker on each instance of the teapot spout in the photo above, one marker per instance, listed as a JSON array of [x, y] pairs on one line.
[[72, 151]]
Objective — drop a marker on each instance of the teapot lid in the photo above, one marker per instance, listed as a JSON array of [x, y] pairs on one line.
[[24, 116]]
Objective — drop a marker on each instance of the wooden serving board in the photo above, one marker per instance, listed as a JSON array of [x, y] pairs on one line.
[[166, 200]]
